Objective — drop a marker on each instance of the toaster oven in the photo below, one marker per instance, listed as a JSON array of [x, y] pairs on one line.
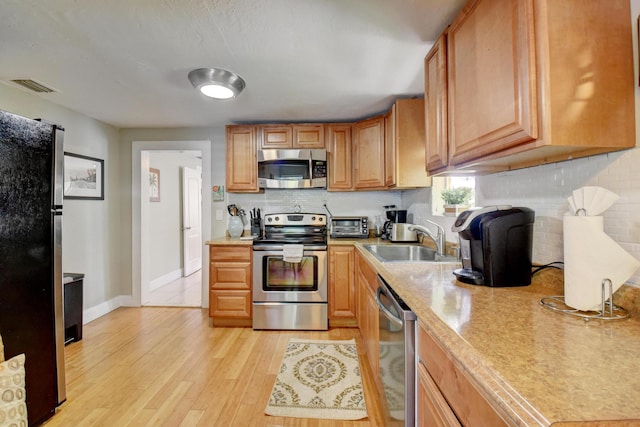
[[349, 226]]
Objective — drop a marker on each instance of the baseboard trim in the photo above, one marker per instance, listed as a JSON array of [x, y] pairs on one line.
[[158, 282], [106, 307]]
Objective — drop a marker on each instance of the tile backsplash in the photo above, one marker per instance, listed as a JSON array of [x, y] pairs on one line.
[[545, 189]]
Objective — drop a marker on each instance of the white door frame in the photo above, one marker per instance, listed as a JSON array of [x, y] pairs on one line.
[[139, 234]]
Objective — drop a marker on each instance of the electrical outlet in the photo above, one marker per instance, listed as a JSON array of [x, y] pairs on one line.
[[218, 214]]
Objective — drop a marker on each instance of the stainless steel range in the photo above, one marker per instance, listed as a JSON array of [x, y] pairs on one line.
[[290, 273]]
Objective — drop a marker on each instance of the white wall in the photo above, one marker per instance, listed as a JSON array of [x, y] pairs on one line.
[[91, 242]]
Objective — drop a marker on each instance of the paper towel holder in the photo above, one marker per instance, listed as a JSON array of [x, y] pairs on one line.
[[614, 312]]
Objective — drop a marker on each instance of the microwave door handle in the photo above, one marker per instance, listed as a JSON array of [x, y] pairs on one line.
[[389, 315]]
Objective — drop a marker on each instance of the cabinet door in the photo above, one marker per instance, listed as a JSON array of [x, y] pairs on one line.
[[390, 150], [241, 159], [308, 136], [409, 128], [435, 87], [276, 136], [492, 78], [433, 409], [470, 407], [339, 149], [342, 291], [368, 141]]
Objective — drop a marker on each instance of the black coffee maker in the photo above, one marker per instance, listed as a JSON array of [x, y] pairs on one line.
[[495, 245], [394, 216]]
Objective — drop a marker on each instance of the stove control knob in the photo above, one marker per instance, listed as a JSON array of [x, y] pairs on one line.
[[313, 218], [277, 218], [269, 219]]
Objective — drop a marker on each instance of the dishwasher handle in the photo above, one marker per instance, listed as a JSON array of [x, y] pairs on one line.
[[389, 315]]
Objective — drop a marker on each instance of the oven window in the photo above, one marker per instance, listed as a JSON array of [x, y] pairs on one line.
[[279, 275]]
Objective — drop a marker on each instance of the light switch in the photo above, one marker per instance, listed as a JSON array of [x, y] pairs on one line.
[[218, 214]]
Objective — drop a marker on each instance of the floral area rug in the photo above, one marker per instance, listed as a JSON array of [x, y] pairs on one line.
[[319, 379]]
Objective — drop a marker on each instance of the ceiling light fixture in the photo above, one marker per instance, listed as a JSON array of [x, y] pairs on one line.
[[216, 82]]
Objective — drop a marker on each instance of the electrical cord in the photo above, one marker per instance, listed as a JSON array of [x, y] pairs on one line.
[[550, 265]]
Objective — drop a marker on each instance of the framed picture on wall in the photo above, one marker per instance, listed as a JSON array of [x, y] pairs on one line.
[[83, 177], [154, 185]]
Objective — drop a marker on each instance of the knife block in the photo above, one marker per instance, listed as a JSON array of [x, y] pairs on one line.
[[256, 226]]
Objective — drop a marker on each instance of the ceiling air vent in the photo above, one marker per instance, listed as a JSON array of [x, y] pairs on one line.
[[33, 85]]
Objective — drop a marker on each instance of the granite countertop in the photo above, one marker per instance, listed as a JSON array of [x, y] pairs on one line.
[[536, 366]]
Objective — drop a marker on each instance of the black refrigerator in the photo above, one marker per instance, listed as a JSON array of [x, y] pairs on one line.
[[31, 299]]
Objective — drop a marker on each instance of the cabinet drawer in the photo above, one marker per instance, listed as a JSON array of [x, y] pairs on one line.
[[470, 407], [230, 303], [433, 409], [230, 275], [230, 253]]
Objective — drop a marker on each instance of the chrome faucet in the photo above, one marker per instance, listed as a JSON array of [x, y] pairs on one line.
[[438, 238]]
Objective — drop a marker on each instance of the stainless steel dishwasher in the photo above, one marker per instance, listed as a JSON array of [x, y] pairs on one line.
[[397, 357]]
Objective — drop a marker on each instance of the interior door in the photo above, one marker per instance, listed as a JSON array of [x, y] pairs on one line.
[[191, 220]]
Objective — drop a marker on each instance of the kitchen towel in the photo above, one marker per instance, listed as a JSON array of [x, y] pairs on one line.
[[292, 253], [590, 256]]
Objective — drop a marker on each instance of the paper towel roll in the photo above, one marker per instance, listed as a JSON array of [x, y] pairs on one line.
[[590, 256]]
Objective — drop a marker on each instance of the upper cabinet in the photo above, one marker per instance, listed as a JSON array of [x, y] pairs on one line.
[[530, 82], [241, 159], [292, 136], [404, 145], [435, 94], [383, 152], [339, 153], [368, 154]]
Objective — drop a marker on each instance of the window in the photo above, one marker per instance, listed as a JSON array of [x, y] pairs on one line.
[[439, 184]]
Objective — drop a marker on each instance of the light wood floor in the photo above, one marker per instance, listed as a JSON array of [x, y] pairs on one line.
[[163, 366]]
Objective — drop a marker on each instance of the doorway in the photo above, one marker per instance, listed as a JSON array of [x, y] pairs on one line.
[[143, 235], [174, 225]]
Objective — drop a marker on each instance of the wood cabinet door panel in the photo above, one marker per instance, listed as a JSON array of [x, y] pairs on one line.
[[241, 159], [342, 303], [435, 76], [308, 136], [368, 157], [339, 149], [230, 303], [492, 78], [390, 149], [469, 406], [230, 275], [275, 136], [433, 409], [230, 253]]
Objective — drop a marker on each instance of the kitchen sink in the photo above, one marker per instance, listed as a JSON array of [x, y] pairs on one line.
[[406, 253]]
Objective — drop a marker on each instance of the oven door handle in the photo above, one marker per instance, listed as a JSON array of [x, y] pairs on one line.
[[389, 315]]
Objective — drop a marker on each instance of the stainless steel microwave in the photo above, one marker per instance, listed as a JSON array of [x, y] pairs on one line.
[[292, 168]]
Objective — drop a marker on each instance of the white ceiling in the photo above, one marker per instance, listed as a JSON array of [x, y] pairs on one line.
[[125, 62]]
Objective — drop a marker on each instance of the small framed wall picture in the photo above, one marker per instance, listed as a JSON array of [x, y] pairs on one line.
[[154, 185], [83, 177], [218, 192]]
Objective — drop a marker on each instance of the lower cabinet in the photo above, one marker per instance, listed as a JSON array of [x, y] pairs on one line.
[[446, 397], [368, 320], [342, 286], [230, 285]]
